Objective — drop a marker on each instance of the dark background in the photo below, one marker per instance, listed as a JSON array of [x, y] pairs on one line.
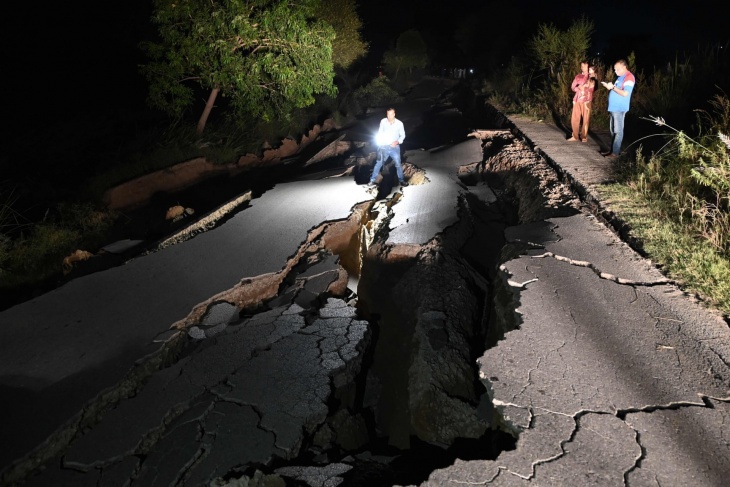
[[77, 62]]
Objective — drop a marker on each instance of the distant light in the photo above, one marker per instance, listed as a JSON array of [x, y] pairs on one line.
[[471, 70]]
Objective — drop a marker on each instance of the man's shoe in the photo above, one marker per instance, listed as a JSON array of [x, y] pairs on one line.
[[403, 184], [605, 153], [371, 184]]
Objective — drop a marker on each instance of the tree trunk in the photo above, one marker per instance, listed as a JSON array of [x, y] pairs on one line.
[[206, 111]]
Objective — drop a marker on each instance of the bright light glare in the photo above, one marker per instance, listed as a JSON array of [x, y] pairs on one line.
[[382, 139]]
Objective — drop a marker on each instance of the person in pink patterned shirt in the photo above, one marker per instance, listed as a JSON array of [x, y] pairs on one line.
[[583, 88], [586, 97]]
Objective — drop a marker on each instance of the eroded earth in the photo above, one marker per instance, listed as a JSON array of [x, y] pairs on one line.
[[479, 327]]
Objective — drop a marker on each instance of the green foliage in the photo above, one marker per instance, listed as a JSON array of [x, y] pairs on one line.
[[509, 88], [558, 51], [557, 55], [266, 56], [377, 93], [671, 243], [348, 44], [673, 91], [538, 84], [699, 167], [91, 222], [38, 253], [666, 90], [10, 218], [677, 202], [408, 54]]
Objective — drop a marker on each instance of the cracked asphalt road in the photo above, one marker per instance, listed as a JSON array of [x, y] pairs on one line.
[[605, 372], [612, 376]]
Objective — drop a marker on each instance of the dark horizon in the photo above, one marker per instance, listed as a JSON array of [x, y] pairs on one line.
[[75, 58]]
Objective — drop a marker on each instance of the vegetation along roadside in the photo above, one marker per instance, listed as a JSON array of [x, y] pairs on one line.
[[672, 186], [672, 183]]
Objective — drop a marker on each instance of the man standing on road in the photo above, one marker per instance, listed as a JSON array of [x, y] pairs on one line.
[[391, 135], [579, 107], [619, 97]]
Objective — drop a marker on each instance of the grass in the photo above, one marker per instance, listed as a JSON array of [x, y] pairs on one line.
[[58, 210], [36, 252], [676, 201], [675, 194], [683, 256]]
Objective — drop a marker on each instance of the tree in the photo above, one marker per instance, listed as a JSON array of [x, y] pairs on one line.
[[557, 50], [348, 45], [267, 56], [559, 53], [409, 53]]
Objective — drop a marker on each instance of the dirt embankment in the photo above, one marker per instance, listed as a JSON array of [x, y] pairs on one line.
[[138, 192]]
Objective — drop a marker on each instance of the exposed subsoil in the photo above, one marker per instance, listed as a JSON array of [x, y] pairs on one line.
[[469, 251]]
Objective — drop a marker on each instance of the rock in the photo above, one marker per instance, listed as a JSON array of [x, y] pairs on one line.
[[174, 212], [77, 256]]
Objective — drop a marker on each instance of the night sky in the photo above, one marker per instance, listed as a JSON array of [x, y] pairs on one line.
[[72, 58]]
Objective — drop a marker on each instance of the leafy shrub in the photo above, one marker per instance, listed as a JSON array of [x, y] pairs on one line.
[[693, 176], [557, 55], [39, 255], [377, 93], [38, 251]]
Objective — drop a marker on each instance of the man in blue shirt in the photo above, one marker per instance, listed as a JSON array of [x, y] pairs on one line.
[[619, 98], [391, 135]]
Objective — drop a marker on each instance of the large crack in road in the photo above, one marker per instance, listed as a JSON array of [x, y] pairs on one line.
[[592, 394], [368, 363]]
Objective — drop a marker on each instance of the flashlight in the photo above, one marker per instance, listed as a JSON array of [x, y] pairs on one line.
[[382, 139]]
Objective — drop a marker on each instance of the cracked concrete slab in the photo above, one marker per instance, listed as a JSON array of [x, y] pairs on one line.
[[568, 379], [115, 316], [426, 211], [532, 233], [601, 371], [327, 476], [542, 442], [250, 393], [684, 446], [602, 450], [583, 238], [575, 374]]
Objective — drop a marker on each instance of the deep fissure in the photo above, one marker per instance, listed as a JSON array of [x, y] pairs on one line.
[[393, 454], [385, 436]]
